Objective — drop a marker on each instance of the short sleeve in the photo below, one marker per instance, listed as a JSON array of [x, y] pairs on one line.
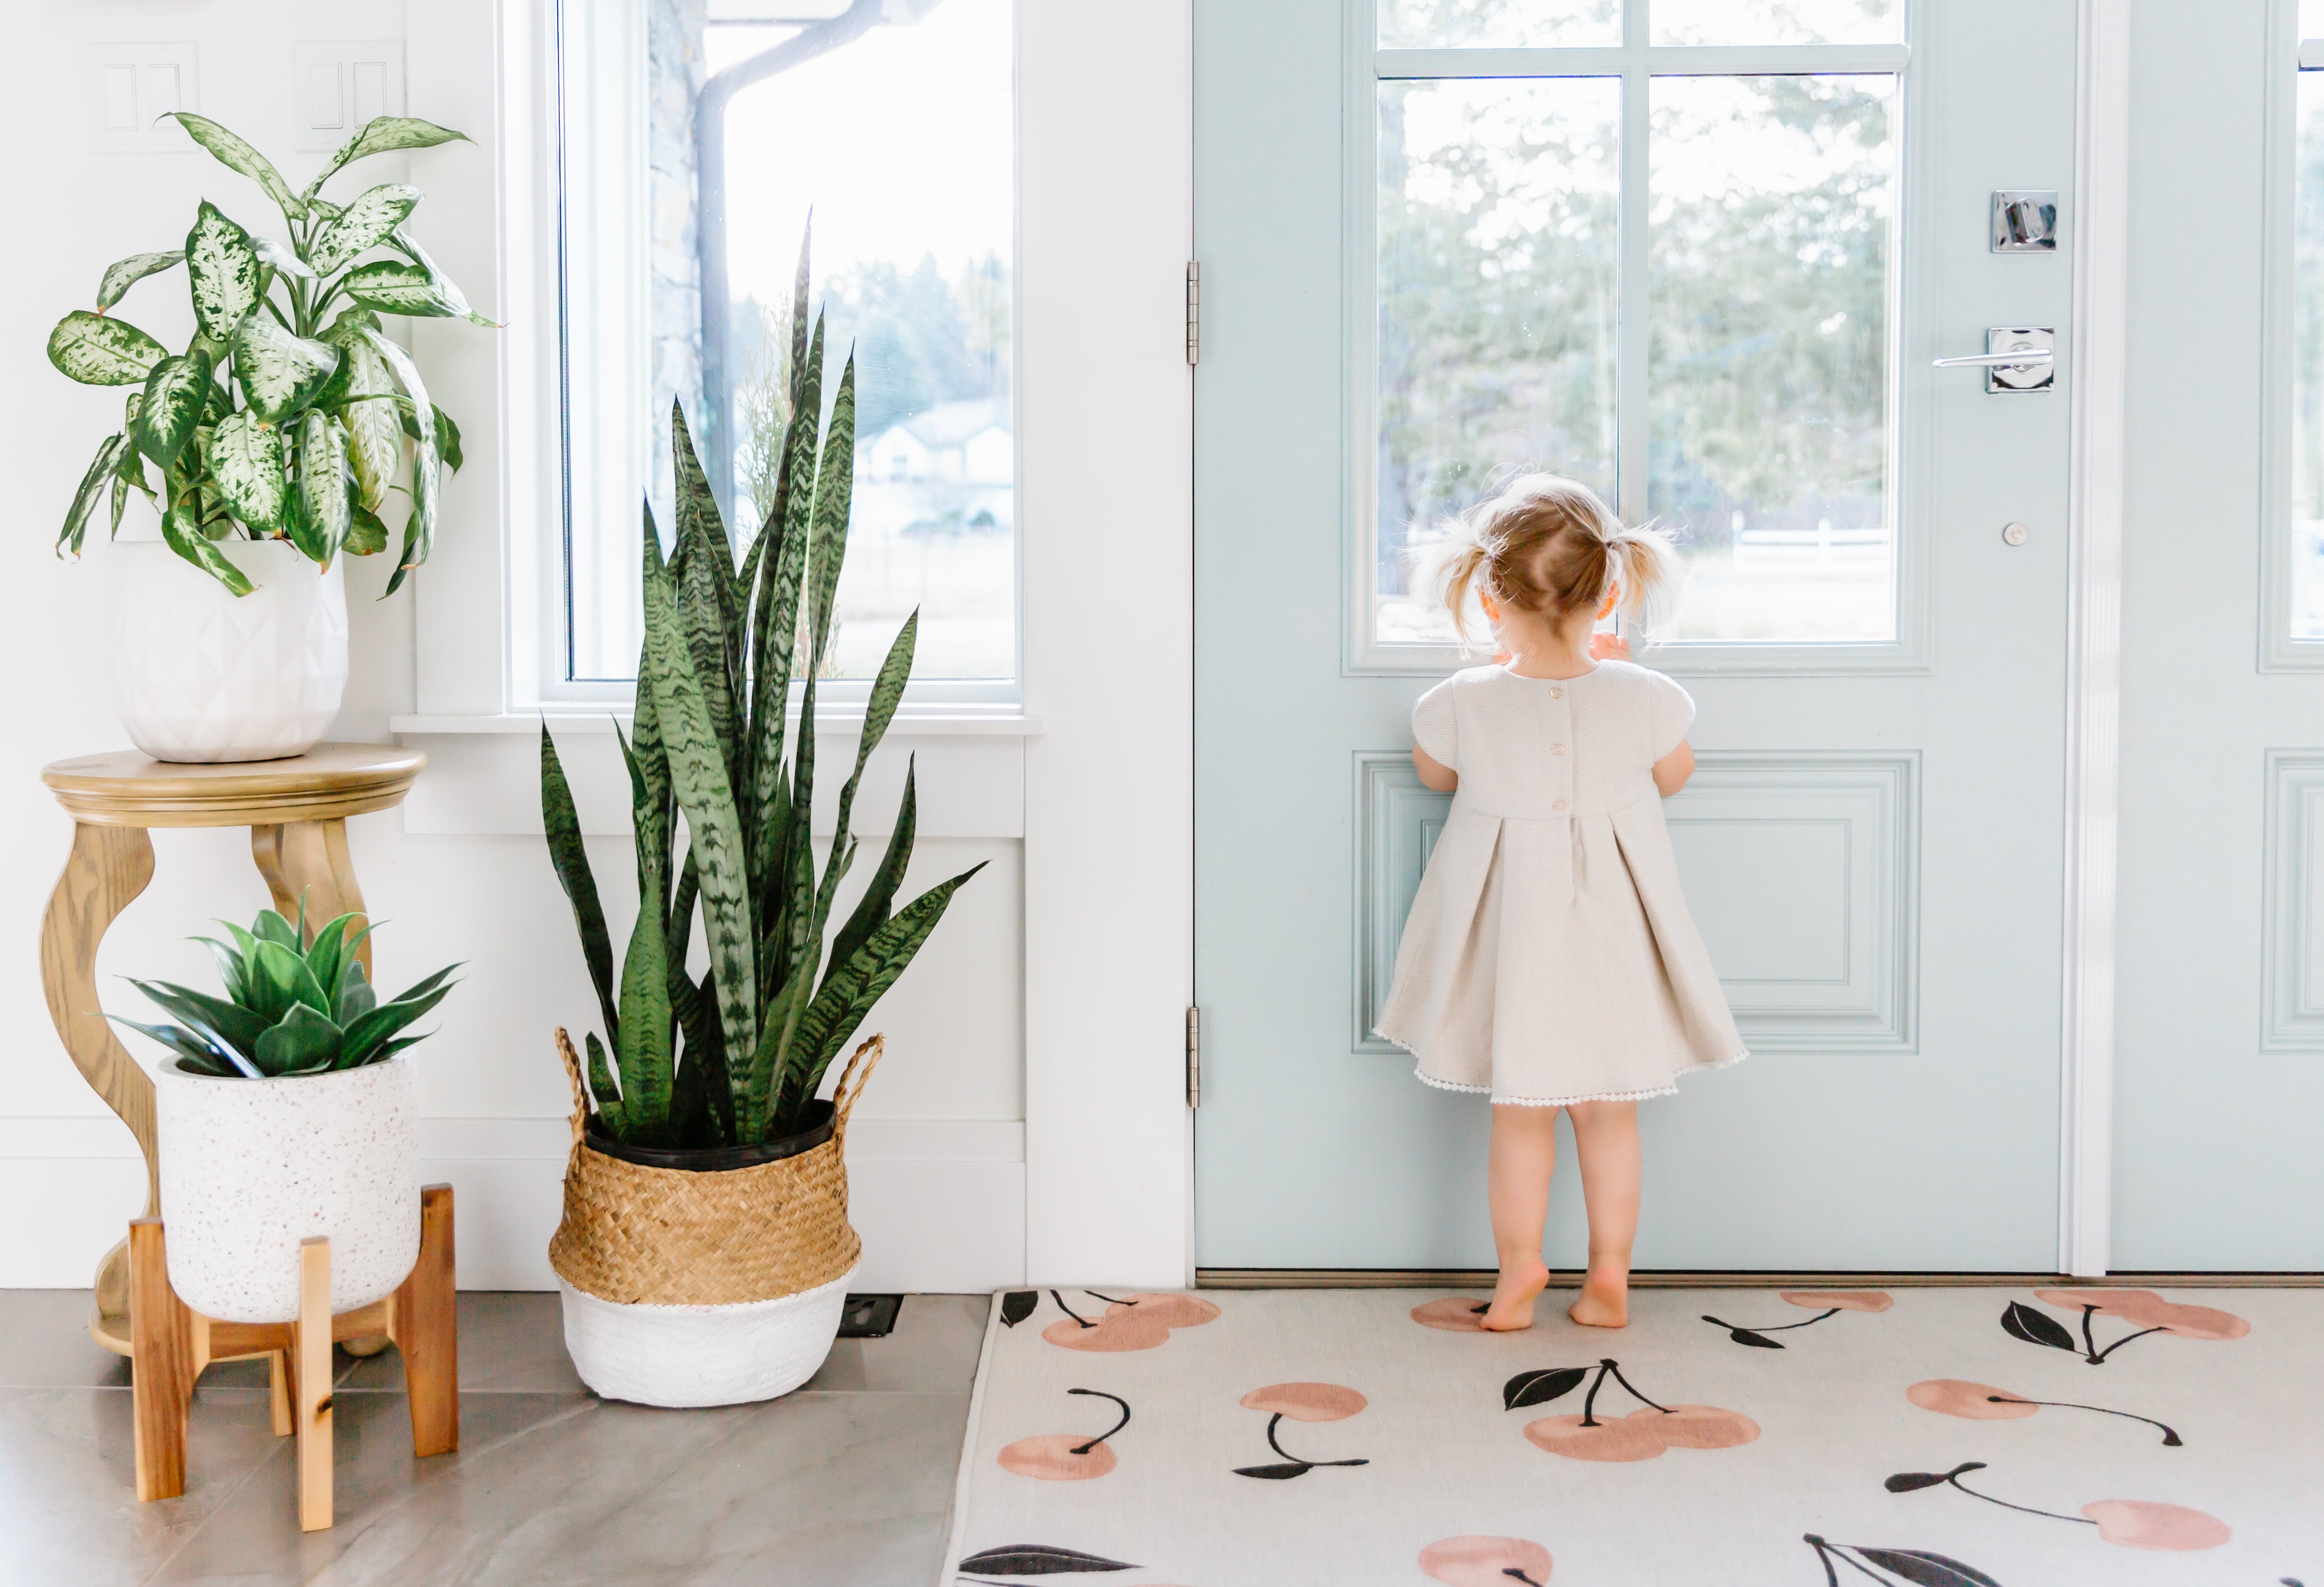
[[1672, 714], [1434, 728]]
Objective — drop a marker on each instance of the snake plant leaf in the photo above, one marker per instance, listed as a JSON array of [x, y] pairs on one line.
[[245, 458], [100, 352], [380, 135], [773, 642], [848, 995], [643, 1054], [183, 532], [171, 405], [835, 481], [124, 274], [280, 373], [279, 258], [702, 567], [225, 269], [872, 909], [366, 535], [302, 1041], [95, 484], [374, 436], [698, 778], [420, 528], [570, 857], [194, 1051], [236, 154], [602, 1090], [391, 286], [363, 224], [887, 693], [224, 1024], [323, 485]]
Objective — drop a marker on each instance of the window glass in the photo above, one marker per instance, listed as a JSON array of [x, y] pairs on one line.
[[1781, 22], [896, 132], [1497, 217], [1416, 25], [1773, 209], [2311, 19], [2308, 364]]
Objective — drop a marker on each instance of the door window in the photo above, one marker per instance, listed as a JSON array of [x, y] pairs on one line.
[[1652, 248]]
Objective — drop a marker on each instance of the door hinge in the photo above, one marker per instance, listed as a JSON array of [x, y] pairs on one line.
[[1193, 1057], [1193, 312]]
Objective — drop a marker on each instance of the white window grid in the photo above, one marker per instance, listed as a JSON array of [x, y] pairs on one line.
[[2290, 56]]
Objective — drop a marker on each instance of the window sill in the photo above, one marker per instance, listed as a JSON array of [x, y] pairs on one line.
[[979, 722]]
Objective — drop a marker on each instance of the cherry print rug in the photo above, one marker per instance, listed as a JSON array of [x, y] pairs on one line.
[[1973, 1437]]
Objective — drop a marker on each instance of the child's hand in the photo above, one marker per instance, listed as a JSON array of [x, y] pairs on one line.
[[1609, 647]]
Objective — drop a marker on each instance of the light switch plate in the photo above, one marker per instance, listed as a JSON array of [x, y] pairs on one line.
[[339, 84], [131, 86]]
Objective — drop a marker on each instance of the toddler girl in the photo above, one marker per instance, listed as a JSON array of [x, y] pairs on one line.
[[1549, 959]]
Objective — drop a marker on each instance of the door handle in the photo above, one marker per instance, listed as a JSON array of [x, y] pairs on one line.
[[2017, 358]]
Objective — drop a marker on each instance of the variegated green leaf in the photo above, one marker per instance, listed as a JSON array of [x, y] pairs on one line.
[[280, 373], [104, 470], [376, 440], [225, 269], [323, 484], [100, 352], [236, 154], [125, 274], [394, 286], [279, 258], [245, 458], [444, 284], [366, 535], [363, 224], [171, 406], [379, 136], [185, 537], [426, 471]]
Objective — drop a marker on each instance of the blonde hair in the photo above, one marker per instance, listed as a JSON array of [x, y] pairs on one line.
[[1545, 543]]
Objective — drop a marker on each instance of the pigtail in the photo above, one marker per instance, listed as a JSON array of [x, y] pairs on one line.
[[1460, 556], [1648, 573]]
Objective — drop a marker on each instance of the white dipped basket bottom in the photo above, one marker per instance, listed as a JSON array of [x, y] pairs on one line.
[[686, 1287], [251, 1167]]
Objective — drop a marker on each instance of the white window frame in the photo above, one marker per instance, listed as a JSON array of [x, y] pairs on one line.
[[2288, 55], [1636, 61]]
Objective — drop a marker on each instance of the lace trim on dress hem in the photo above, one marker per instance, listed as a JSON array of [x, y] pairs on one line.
[[1561, 1101]]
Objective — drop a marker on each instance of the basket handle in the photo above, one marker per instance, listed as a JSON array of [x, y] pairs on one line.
[[844, 1100], [573, 1073]]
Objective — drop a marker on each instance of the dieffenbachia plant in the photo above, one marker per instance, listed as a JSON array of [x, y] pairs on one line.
[[287, 417], [736, 1058]]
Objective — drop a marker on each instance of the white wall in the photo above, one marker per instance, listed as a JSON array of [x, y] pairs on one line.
[[938, 1155]]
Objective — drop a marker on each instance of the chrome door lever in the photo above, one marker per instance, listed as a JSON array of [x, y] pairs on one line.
[[2017, 358]]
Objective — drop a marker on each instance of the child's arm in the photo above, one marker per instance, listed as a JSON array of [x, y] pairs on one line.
[[1671, 771], [1438, 778]]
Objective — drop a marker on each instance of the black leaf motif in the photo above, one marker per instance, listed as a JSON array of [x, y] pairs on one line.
[[2023, 1322], [1542, 1387], [1751, 1336], [1017, 1305], [1275, 1473], [1924, 1569], [1910, 1482], [1038, 1559]]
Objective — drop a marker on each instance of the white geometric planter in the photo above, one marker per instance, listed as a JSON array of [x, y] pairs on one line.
[[198, 674], [685, 1356], [251, 1167]]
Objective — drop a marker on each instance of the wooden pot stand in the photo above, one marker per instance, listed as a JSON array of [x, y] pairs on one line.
[[171, 1343]]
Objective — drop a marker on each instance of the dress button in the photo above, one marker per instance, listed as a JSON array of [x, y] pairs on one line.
[[1556, 694], [1557, 749], [1557, 804]]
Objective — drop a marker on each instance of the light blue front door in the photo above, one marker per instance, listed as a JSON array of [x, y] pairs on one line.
[[1703, 259]]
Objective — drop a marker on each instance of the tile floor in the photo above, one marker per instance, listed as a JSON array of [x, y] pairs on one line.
[[847, 1482]]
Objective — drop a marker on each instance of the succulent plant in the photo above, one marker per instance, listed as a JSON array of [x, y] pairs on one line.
[[288, 1008], [734, 1058]]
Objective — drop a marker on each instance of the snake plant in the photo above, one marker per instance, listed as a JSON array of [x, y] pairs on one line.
[[282, 419], [289, 1009], [736, 1058]]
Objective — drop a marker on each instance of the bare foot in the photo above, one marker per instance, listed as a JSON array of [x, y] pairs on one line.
[[1511, 1310], [1605, 1300]]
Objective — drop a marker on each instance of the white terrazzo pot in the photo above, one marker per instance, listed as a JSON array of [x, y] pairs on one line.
[[686, 1356], [251, 1167], [199, 674]]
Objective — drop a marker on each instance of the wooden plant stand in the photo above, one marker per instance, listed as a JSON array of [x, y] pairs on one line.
[[171, 1343], [297, 811]]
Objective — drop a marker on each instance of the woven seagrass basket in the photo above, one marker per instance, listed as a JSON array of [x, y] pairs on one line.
[[633, 1234]]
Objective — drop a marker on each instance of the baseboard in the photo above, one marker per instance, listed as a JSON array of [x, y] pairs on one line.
[[1705, 1278]]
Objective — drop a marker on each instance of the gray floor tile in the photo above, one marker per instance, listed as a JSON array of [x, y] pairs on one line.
[[828, 1489], [68, 1508], [512, 1342], [44, 1343], [932, 1349]]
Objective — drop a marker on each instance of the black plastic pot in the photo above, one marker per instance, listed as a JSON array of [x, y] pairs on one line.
[[715, 1159]]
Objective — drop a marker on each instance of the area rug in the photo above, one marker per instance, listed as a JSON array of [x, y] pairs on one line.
[[1970, 1437]]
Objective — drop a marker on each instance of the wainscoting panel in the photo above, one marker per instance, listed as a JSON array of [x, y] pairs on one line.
[[2292, 950], [1802, 871]]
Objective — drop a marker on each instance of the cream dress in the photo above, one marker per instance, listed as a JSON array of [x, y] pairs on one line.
[[1549, 956]]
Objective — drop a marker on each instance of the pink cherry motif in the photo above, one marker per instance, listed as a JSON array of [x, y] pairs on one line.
[[1455, 1314], [2141, 1523], [1486, 1562]]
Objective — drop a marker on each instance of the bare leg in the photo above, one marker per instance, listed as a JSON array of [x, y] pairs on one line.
[[1606, 1139], [1516, 1186]]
